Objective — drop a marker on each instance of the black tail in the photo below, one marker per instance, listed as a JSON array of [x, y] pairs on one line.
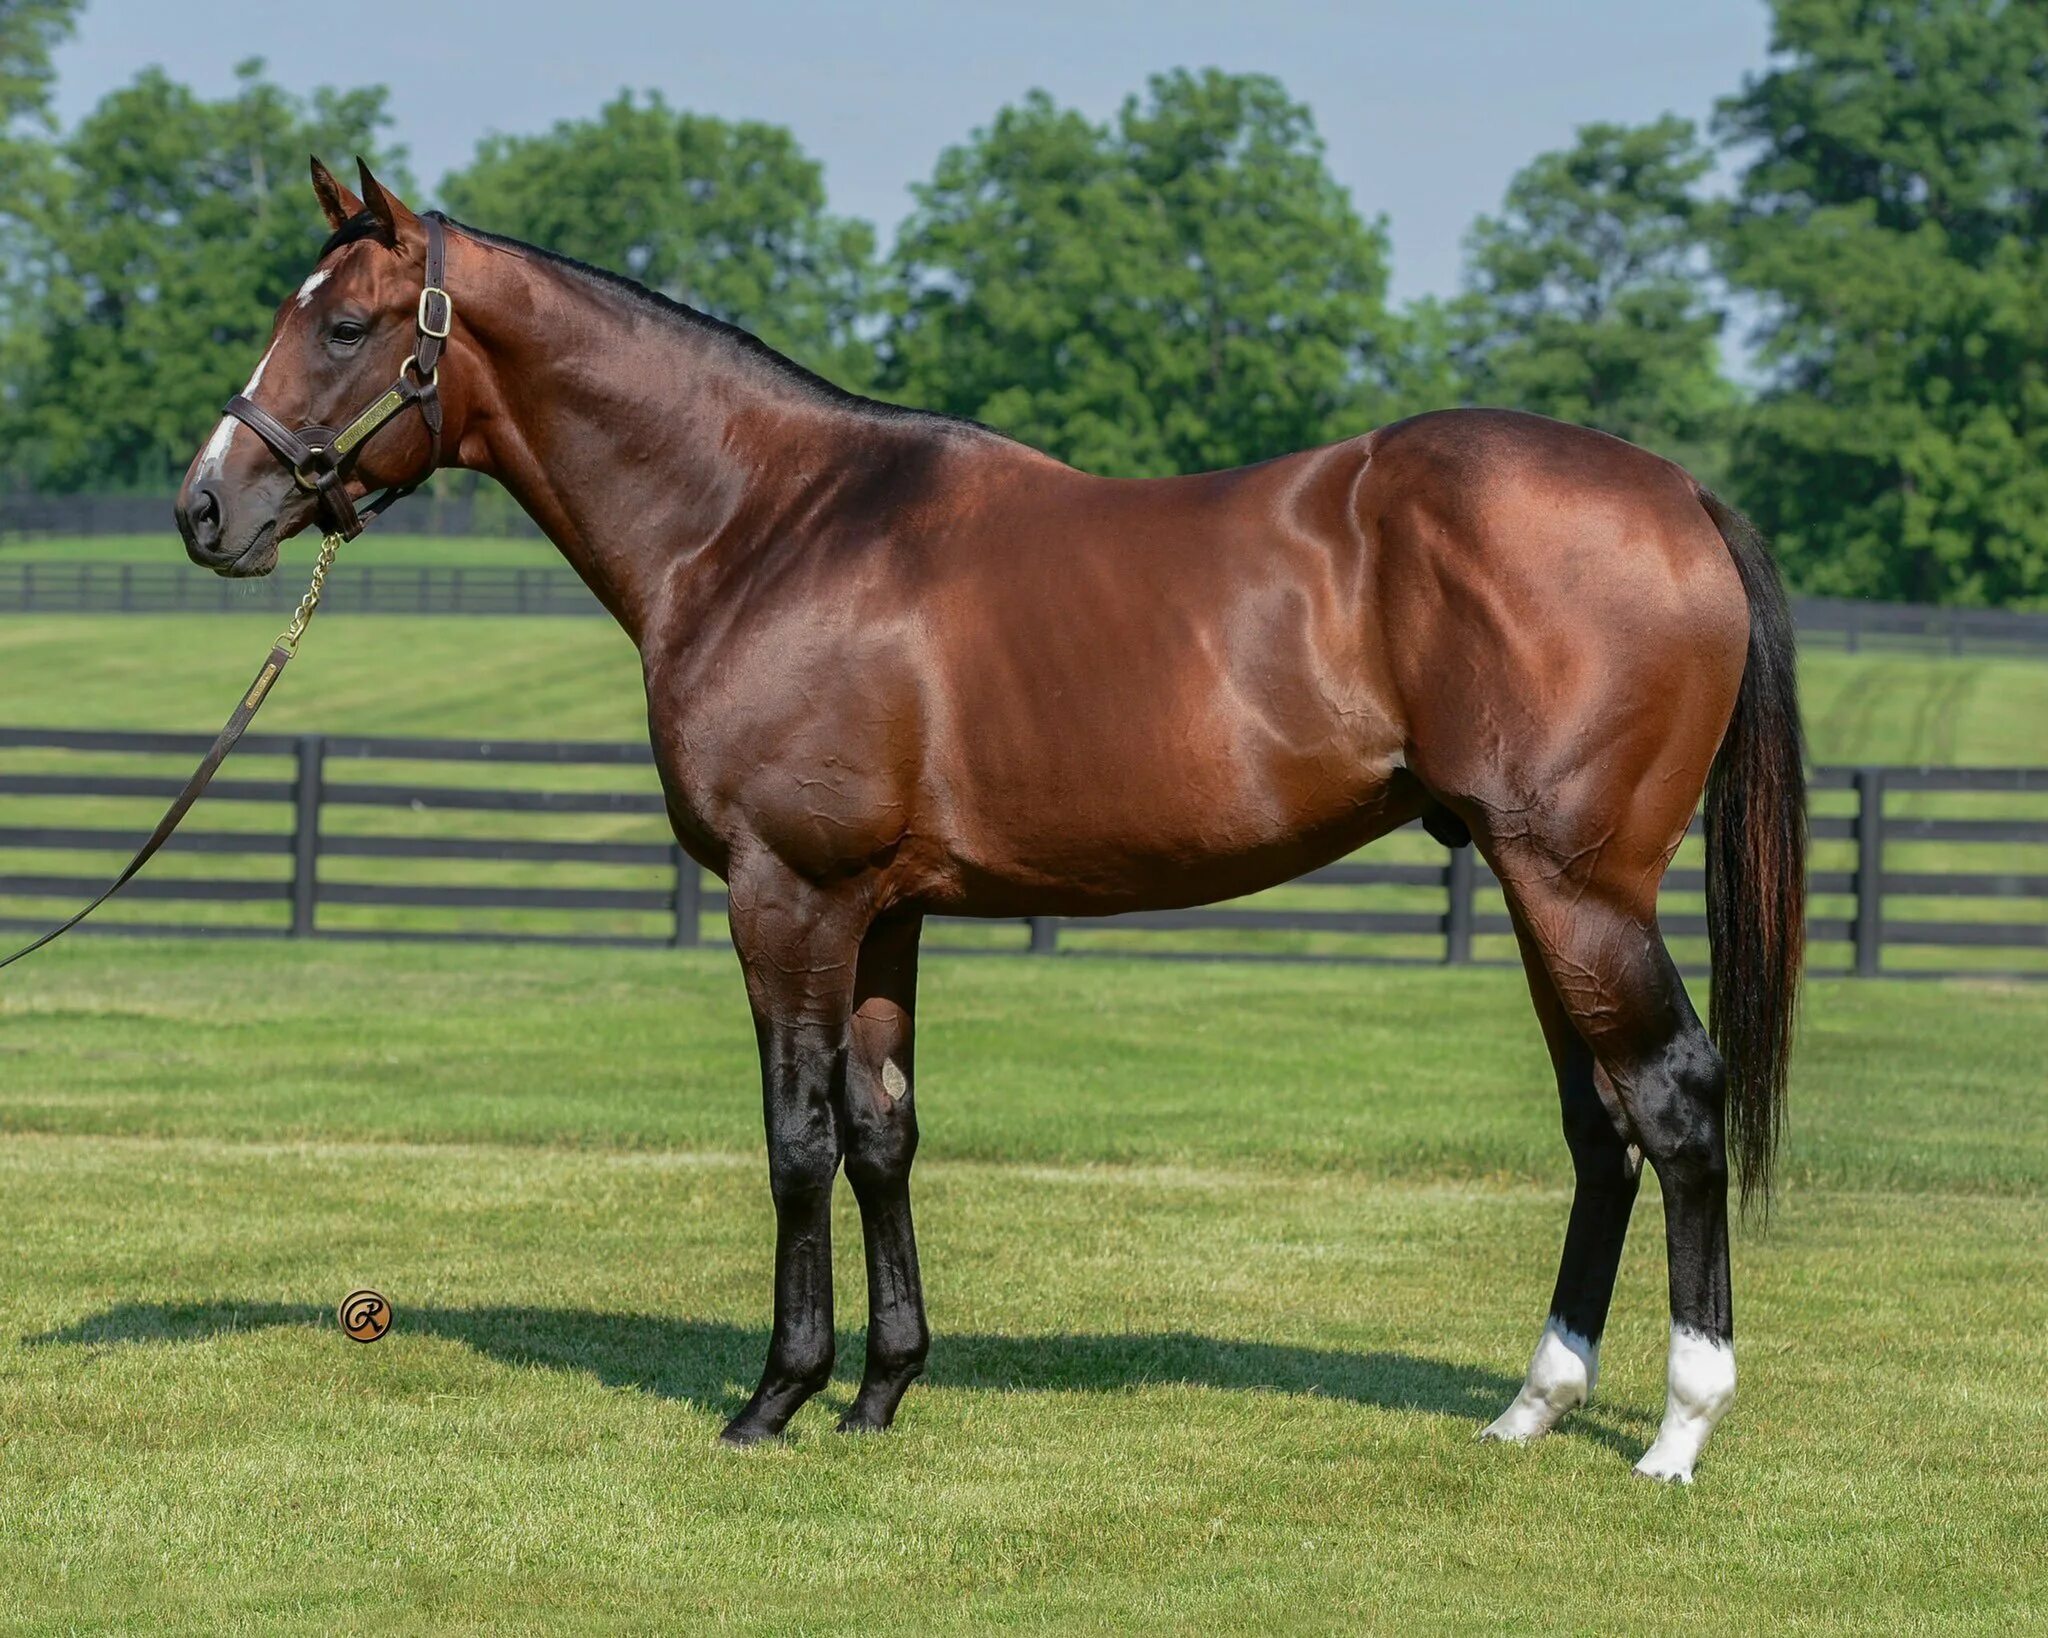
[[1756, 865]]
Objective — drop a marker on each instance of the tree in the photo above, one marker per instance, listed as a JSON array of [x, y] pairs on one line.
[[173, 226], [29, 31], [727, 218], [1893, 224], [1421, 366], [1188, 288], [1585, 297]]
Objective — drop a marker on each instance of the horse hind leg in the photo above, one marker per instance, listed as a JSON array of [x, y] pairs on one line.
[[1589, 915], [1606, 1169]]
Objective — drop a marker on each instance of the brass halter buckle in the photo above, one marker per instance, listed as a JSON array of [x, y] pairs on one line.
[[428, 295]]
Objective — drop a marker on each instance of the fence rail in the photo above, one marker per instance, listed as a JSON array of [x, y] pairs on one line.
[[1832, 622], [455, 510], [348, 836], [171, 587]]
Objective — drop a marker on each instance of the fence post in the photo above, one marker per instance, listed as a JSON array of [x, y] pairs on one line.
[[1458, 884], [1869, 871], [689, 900], [312, 753], [1045, 935]]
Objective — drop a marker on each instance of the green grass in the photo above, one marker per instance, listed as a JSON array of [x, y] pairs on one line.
[[1904, 708], [1227, 1265], [462, 675]]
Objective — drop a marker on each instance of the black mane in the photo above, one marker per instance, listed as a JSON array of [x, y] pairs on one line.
[[364, 225]]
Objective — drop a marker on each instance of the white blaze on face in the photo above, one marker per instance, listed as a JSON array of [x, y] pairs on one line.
[[214, 456], [1561, 1377], [1701, 1386]]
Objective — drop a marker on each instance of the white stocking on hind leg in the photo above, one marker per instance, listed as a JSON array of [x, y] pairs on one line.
[[1642, 1046], [1567, 1360]]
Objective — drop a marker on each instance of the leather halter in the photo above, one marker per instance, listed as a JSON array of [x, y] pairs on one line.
[[320, 457]]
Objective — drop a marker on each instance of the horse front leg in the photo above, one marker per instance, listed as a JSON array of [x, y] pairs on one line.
[[798, 948]]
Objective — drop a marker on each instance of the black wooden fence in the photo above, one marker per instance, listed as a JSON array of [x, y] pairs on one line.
[[169, 587], [46, 586], [464, 508], [342, 836], [1839, 622]]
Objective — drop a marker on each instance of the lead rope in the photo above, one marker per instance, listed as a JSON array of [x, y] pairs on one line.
[[288, 639], [281, 654]]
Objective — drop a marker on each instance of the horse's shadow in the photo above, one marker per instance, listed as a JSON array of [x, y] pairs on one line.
[[706, 1362]]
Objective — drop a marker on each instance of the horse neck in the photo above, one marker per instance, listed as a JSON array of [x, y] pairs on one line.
[[638, 440]]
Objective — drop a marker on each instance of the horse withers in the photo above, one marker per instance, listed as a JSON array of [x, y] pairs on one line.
[[897, 664]]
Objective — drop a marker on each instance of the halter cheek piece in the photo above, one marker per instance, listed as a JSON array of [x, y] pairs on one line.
[[320, 458]]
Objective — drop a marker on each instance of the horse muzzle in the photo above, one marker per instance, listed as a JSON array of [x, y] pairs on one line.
[[204, 520]]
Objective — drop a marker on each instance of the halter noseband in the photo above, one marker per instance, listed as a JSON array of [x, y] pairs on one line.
[[320, 458]]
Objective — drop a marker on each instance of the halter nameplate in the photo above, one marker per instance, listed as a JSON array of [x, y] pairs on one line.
[[368, 422], [260, 687]]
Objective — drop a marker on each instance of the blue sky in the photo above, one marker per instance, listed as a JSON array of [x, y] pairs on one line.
[[1427, 108]]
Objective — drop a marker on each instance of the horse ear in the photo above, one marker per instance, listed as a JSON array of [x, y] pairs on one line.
[[392, 213], [336, 202]]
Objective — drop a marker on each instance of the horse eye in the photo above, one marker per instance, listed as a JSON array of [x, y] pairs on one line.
[[347, 333]]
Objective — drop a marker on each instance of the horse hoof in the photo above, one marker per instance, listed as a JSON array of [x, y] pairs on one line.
[[744, 1435], [1525, 1421], [1496, 1434], [1665, 1469], [1506, 1430]]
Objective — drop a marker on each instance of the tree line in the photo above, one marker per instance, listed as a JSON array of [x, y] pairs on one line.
[[1832, 304]]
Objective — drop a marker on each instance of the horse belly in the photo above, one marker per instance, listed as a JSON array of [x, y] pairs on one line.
[[1159, 805]]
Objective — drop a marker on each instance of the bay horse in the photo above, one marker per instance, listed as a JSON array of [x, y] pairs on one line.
[[897, 664]]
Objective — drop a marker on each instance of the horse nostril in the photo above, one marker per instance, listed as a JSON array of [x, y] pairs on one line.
[[201, 517]]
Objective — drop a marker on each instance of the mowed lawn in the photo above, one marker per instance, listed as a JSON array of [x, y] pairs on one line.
[[1227, 1266]]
